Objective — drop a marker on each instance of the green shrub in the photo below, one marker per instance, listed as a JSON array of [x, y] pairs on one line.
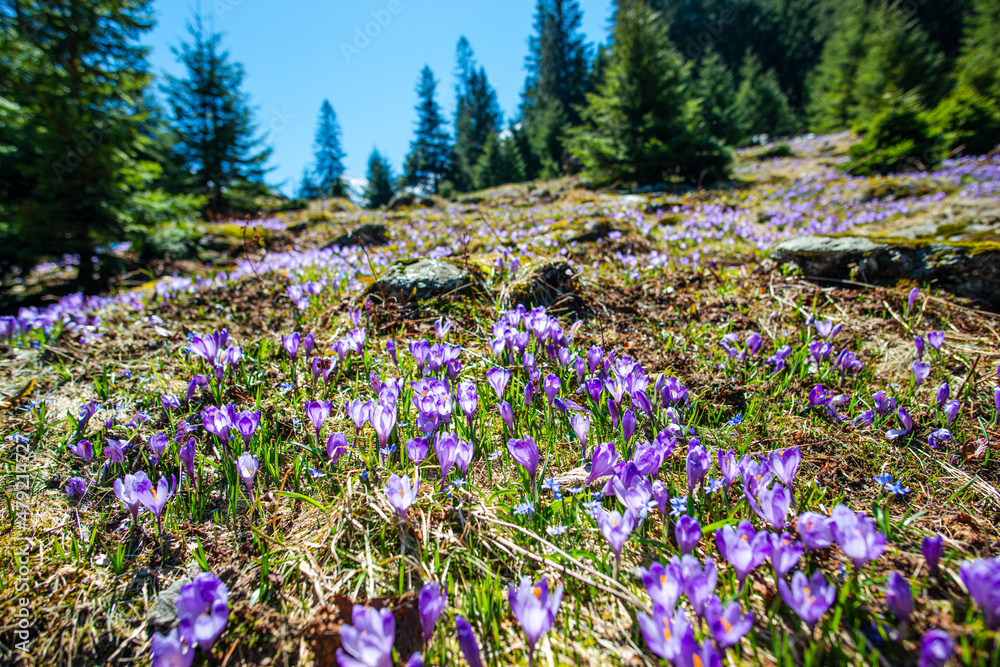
[[966, 122], [899, 139]]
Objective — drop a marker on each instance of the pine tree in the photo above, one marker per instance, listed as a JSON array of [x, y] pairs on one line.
[[643, 126], [71, 75], [477, 116], [379, 190], [979, 65], [716, 86], [328, 154], [499, 164], [761, 107], [212, 117], [429, 160], [899, 60], [556, 86]]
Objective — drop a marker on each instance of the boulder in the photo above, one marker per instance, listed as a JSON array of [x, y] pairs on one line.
[[163, 612], [589, 231], [542, 283], [421, 279], [371, 234], [968, 270], [408, 199]]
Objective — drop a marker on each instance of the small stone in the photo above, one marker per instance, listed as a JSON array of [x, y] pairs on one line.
[[164, 610]]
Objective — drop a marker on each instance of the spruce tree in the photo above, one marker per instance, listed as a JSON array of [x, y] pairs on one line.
[[429, 160], [643, 125], [499, 164], [477, 116], [716, 86], [760, 105], [212, 117], [979, 65], [556, 86], [833, 95], [379, 190], [328, 154], [307, 186], [899, 60], [72, 73]]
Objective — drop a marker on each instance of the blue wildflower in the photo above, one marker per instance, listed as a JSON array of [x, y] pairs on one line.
[[556, 530], [525, 508], [678, 506]]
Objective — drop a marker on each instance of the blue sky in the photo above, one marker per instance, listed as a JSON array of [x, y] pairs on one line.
[[294, 55]]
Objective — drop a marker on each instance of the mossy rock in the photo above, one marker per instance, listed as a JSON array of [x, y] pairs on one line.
[[541, 283], [420, 279]]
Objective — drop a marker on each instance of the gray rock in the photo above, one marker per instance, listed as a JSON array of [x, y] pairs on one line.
[[545, 282], [591, 230], [421, 279], [164, 609], [408, 199], [371, 234], [964, 270]]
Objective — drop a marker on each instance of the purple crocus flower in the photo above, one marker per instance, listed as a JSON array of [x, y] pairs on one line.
[[628, 425], [911, 299], [727, 464], [463, 456], [580, 423], [921, 371], [943, 392], [898, 596], [318, 412], [551, 385], [446, 448], [594, 388], [367, 640], [525, 453], [246, 424], [291, 344], [247, 466], [76, 488], [664, 583], [170, 651], [196, 382], [728, 624], [936, 648], [932, 547], [784, 554], [981, 578], [616, 528], [498, 378], [809, 598], [856, 535], [217, 422], [168, 401], [467, 642], [186, 454], [535, 609], [431, 602], [697, 464], [158, 443], [390, 347], [602, 462], [113, 451], [882, 402], [743, 547], [772, 505], [950, 410], [918, 343], [648, 458], [699, 583], [468, 399], [905, 421], [665, 631], [202, 610], [507, 414], [383, 421], [814, 529], [937, 436], [996, 404], [155, 498], [936, 339], [127, 491], [688, 532], [662, 496], [83, 449], [416, 449], [784, 463], [401, 493], [336, 446], [308, 343]]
